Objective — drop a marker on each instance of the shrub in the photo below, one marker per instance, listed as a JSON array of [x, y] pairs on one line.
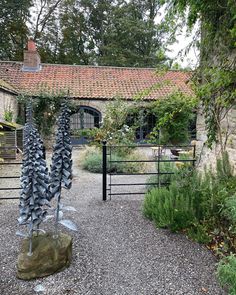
[[200, 204], [169, 209], [156, 207], [198, 232], [93, 162], [229, 211], [170, 167], [226, 273], [165, 178], [114, 129]]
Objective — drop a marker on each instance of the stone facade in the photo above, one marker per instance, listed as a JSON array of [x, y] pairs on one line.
[[8, 102], [98, 104], [207, 157]]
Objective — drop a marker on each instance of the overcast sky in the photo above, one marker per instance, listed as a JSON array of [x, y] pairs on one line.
[[179, 51]]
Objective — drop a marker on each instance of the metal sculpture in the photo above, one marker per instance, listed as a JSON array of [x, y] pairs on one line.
[[34, 197], [61, 167]]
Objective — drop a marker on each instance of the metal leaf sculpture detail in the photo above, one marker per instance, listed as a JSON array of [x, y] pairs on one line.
[[69, 224], [61, 168], [34, 196]]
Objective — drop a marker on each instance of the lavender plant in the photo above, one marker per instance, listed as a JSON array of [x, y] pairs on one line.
[[34, 197], [61, 168]]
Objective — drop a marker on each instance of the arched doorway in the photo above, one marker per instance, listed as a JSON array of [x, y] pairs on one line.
[[84, 118]]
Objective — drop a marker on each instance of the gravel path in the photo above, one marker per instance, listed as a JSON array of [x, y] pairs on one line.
[[115, 251]]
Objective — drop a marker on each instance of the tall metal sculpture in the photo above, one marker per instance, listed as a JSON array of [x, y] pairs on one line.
[[34, 196], [61, 167]]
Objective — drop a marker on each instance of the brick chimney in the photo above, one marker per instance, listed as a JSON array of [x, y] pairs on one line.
[[32, 62]]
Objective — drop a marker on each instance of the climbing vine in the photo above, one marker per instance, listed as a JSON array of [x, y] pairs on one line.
[[217, 94], [174, 115], [215, 77], [46, 109]]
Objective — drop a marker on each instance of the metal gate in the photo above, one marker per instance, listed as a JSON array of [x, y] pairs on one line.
[[157, 154], [10, 182]]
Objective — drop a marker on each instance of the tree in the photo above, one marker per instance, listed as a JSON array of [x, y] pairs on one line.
[[14, 16], [44, 28], [216, 76], [125, 33], [76, 45], [104, 32]]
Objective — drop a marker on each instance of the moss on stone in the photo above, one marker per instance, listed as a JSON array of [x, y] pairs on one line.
[[50, 255]]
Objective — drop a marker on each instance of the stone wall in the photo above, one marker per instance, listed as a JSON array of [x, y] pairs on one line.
[[207, 157], [8, 101], [98, 104]]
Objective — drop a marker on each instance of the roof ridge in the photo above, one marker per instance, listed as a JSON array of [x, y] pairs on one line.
[[102, 66]]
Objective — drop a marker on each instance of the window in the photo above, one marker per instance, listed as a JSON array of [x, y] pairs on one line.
[[145, 123], [85, 118]]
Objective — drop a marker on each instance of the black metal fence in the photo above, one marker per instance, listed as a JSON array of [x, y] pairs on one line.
[[157, 156], [4, 177]]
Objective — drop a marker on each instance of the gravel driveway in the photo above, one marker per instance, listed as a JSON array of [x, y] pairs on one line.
[[115, 251]]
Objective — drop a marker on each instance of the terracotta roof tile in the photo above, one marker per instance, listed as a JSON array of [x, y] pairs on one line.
[[7, 87], [95, 82]]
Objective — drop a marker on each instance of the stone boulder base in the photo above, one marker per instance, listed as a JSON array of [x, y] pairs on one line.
[[50, 255]]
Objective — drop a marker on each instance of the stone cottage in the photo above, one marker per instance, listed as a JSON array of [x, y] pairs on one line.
[[90, 87], [8, 102]]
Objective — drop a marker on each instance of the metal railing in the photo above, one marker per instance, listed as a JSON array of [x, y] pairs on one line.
[[157, 158], [10, 177]]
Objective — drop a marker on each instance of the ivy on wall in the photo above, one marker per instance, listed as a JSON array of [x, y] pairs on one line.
[[215, 78], [46, 109]]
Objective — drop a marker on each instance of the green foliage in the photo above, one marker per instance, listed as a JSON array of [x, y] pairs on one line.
[[13, 29], [165, 167], [93, 162], [118, 33], [8, 115], [174, 115], [114, 129], [169, 209], [199, 232], [201, 204], [217, 95], [157, 206], [226, 272], [46, 108], [75, 46], [127, 35], [229, 212], [215, 78]]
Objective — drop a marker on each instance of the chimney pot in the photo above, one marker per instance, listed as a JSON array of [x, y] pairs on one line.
[[31, 45]]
